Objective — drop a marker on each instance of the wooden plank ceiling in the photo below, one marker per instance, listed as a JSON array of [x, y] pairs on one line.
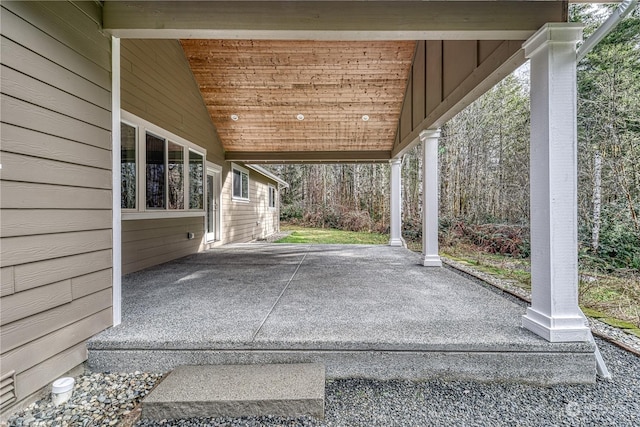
[[267, 84]]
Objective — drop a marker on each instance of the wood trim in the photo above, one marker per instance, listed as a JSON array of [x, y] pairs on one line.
[[307, 156], [330, 20]]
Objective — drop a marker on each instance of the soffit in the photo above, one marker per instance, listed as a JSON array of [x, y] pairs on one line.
[[332, 83]]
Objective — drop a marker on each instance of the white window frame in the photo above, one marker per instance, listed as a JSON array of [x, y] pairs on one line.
[[141, 211], [245, 171], [273, 188]]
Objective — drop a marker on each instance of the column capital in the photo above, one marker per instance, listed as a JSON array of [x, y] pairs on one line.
[[551, 33], [429, 133], [395, 161]]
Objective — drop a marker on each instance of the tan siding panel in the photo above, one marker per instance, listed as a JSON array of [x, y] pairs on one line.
[[38, 93], [21, 195], [486, 48], [21, 332], [24, 304], [38, 67], [17, 167], [157, 85], [33, 379], [179, 232], [7, 282], [146, 224], [434, 74], [57, 19], [25, 222], [405, 116], [25, 34], [418, 83], [29, 355], [91, 283], [36, 274], [31, 143], [24, 249], [152, 247], [90, 8], [20, 113], [459, 60]]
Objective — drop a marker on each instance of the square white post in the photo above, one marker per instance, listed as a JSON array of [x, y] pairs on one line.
[[554, 313], [396, 204], [115, 192], [429, 140]]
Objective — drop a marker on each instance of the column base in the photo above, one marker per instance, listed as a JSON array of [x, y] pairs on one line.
[[558, 329], [432, 261], [397, 242]]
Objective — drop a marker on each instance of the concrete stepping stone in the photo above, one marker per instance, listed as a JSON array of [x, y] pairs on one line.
[[287, 390]]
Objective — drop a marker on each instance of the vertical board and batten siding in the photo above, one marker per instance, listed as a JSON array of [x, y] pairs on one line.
[[55, 183], [447, 75], [246, 221], [157, 85]]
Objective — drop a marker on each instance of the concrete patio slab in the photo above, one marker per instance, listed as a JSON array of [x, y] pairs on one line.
[[238, 391], [361, 310]]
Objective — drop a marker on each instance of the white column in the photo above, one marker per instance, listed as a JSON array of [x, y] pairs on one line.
[[396, 204], [116, 225], [429, 140], [554, 313]]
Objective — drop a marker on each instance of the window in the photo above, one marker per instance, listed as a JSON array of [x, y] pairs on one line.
[[240, 183], [272, 196], [172, 170], [128, 166], [175, 175], [196, 180], [155, 162]]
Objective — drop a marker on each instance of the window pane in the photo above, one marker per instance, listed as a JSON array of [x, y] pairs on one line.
[[237, 183], [127, 166], [245, 186], [272, 197], [175, 168], [155, 172], [196, 187]]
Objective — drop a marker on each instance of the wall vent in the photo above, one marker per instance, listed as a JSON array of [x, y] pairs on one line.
[[7, 389]]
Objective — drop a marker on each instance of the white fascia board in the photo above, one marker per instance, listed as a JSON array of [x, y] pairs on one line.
[[268, 174]]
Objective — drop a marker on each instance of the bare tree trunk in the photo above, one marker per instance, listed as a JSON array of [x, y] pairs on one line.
[[597, 197]]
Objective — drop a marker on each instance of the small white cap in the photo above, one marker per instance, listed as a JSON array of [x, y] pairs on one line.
[[62, 385]]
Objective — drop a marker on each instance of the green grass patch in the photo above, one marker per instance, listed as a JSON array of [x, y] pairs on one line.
[[331, 236], [612, 299]]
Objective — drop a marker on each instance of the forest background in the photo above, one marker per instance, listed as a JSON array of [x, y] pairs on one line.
[[484, 166]]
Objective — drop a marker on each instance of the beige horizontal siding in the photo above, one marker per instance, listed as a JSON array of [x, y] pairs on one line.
[[157, 86], [16, 26], [26, 222], [56, 237], [32, 143], [246, 221], [34, 274], [47, 71], [23, 331], [146, 243]]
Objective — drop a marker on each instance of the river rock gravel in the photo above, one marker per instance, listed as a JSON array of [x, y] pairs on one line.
[[98, 399]]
